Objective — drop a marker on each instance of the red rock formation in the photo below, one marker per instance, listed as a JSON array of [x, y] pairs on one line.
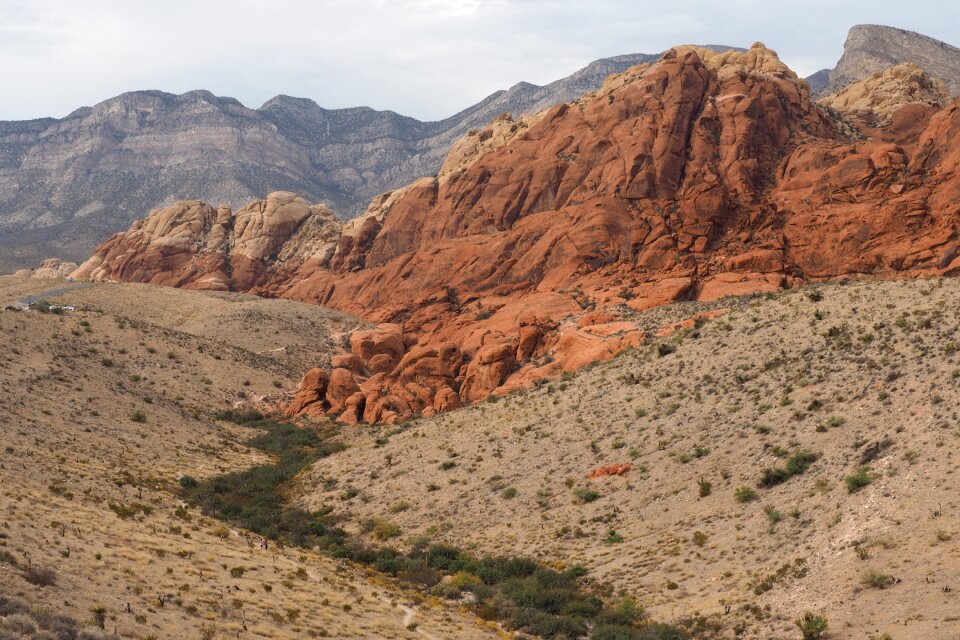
[[310, 395], [611, 470], [703, 175]]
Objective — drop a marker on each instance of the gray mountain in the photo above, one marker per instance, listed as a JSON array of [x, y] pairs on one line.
[[871, 48], [66, 184]]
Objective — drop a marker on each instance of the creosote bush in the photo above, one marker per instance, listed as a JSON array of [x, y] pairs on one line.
[[40, 576]]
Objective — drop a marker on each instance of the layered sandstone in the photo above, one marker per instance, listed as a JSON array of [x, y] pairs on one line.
[[704, 175], [65, 184]]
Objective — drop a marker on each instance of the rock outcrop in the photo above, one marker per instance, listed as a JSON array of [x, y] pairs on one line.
[[49, 268], [873, 48], [610, 470], [196, 246], [876, 99], [703, 175]]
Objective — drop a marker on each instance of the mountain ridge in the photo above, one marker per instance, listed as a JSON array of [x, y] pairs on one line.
[[873, 48], [67, 183], [700, 176]]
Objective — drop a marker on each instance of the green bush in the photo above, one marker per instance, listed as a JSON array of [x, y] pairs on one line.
[[585, 495], [516, 591], [797, 464], [744, 494], [859, 479], [812, 625]]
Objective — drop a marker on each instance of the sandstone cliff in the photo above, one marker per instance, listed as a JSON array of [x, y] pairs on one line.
[[703, 175]]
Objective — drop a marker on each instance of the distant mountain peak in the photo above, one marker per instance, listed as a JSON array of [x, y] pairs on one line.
[[873, 48]]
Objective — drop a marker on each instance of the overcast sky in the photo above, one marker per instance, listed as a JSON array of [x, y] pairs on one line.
[[424, 58]]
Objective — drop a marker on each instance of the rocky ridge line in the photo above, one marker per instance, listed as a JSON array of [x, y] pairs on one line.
[[703, 175]]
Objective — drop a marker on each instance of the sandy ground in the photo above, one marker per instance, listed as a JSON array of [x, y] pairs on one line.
[[103, 409]]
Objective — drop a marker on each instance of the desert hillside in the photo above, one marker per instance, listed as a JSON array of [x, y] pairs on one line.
[[786, 452], [103, 410]]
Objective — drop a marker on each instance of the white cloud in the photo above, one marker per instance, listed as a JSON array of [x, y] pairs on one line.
[[426, 58]]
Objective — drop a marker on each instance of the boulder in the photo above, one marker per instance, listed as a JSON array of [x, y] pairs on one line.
[[488, 370], [341, 385], [611, 470], [384, 342], [311, 393]]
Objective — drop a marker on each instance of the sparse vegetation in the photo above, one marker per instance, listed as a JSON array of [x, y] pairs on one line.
[[796, 465], [812, 625], [517, 591], [859, 479]]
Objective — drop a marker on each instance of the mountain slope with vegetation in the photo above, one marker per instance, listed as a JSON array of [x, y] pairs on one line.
[[794, 453], [106, 415]]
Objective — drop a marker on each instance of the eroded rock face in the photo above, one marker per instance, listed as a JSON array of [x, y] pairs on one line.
[[704, 175], [50, 268], [876, 99], [66, 181], [192, 245]]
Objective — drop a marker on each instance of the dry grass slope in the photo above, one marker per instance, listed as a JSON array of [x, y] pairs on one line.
[[103, 410], [724, 512]]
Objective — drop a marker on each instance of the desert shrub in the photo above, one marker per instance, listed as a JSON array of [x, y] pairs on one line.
[[876, 579], [812, 625], [10, 606], [384, 530], [40, 576], [797, 464], [138, 416], [188, 482], [239, 417], [585, 495], [20, 623], [858, 479], [744, 494], [644, 632], [704, 488]]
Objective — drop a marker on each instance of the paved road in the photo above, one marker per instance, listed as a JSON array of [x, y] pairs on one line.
[[53, 292]]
